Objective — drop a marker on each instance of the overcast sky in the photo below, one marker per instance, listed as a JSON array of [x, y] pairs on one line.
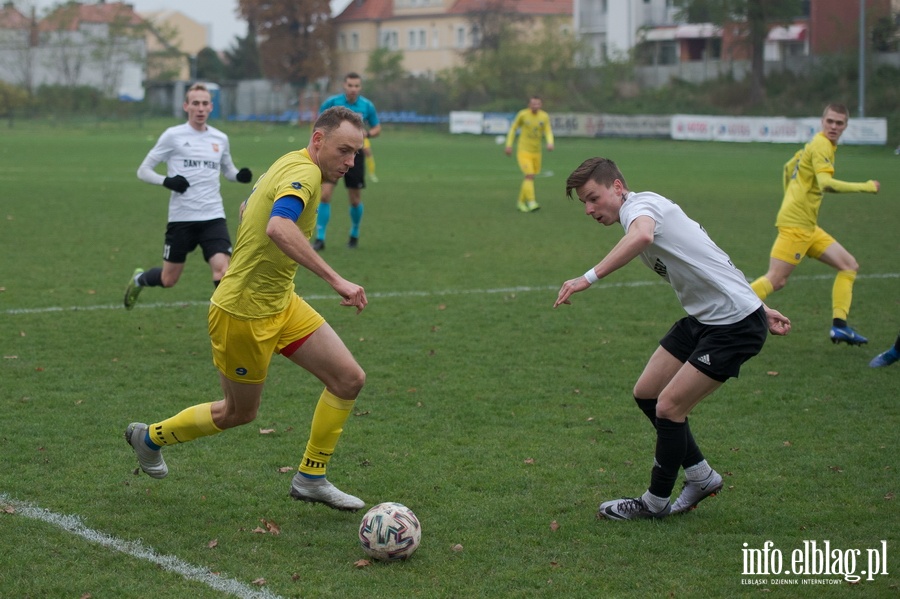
[[218, 15]]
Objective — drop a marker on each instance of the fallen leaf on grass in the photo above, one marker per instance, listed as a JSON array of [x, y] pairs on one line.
[[8, 509], [286, 469], [529, 460], [456, 548], [295, 577], [788, 444], [362, 563], [266, 431], [889, 496], [259, 582], [213, 544], [271, 527], [836, 469], [772, 372], [554, 526]]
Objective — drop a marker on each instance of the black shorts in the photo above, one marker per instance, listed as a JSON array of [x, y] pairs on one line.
[[183, 238], [356, 176], [717, 350]]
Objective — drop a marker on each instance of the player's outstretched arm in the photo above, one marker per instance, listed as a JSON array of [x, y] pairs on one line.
[[639, 236]]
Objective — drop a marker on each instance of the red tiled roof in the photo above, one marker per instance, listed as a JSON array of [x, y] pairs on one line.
[[69, 16], [367, 10], [378, 10], [524, 7], [10, 18]]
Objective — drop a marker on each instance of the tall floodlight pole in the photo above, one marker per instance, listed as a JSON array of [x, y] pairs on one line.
[[862, 58]]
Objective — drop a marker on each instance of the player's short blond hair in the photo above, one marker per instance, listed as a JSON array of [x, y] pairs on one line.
[[197, 87], [838, 108]]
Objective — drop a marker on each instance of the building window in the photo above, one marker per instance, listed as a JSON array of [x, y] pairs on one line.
[[354, 41], [416, 39], [460, 41], [389, 40]]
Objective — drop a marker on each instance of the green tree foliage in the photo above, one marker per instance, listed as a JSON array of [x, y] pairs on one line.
[[12, 98], [385, 65], [517, 63], [209, 66], [392, 88], [296, 37], [242, 59], [754, 18], [886, 35]]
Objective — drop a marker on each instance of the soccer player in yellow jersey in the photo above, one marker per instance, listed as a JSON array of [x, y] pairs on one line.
[[807, 176], [256, 313], [533, 125]]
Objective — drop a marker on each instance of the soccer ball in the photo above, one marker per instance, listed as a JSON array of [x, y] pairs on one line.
[[390, 532]]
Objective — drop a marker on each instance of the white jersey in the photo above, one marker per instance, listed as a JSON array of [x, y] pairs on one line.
[[199, 157], [708, 285]]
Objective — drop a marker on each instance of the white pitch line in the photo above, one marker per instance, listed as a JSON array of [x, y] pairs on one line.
[[137, 550], [389, 294]]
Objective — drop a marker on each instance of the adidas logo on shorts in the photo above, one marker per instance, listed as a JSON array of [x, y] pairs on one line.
[[704, 359]]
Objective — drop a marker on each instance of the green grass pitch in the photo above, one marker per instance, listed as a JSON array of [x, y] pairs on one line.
[[500, 421]]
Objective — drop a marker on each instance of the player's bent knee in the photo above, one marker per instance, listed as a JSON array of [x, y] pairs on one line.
[[235, 418], [350, 383], [777, 282]]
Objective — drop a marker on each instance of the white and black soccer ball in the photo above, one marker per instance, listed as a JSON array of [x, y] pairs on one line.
[[390, 532]]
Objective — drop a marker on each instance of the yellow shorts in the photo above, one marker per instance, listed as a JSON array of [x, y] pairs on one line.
[[529, 162], [242, 349], [793, 243]]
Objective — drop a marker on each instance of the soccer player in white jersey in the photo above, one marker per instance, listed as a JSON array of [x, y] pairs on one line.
[[195, 153], [726, 326]]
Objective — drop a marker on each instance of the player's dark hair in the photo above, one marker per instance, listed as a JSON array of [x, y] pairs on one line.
[[332, 118], [602, 170], [838, 108], [352, 75]]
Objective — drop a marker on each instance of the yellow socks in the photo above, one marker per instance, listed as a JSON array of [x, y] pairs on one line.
[[526, 194], [762, 287], [187, 425], [327, 425], [842, 293]]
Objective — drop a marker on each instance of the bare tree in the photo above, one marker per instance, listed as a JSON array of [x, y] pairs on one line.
[[753, 19], [295, 37]]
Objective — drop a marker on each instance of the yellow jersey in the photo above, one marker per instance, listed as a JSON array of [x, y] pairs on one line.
[[532, 127], [811, 175], [260, 279]]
